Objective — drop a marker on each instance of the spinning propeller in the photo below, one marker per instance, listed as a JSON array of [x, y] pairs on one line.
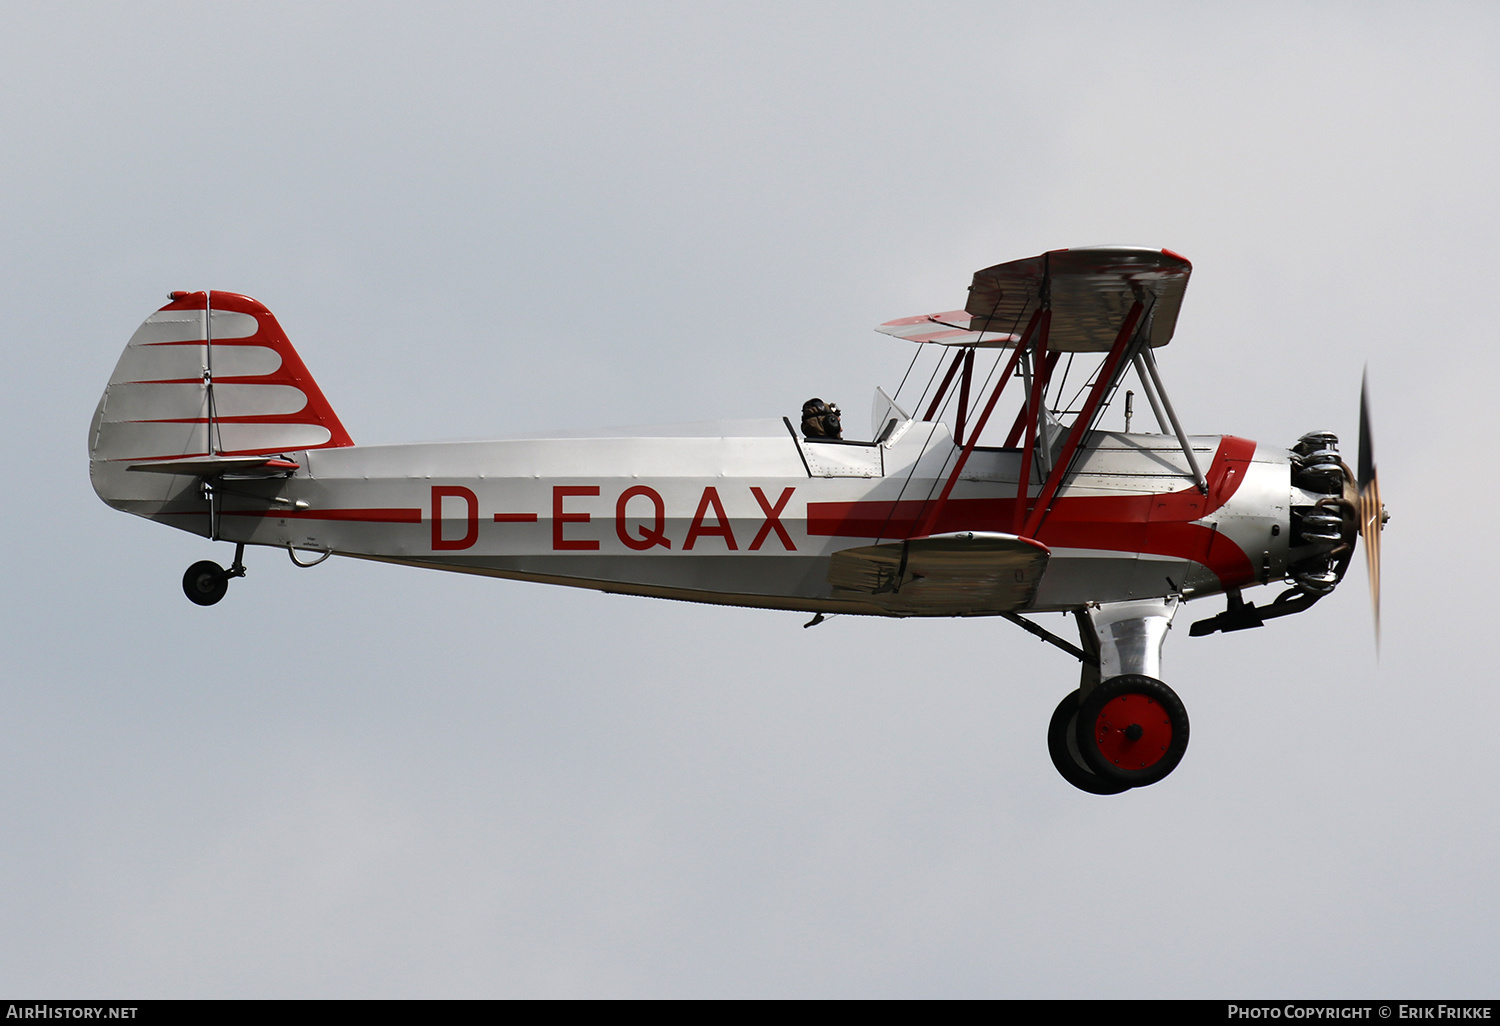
[[1364, 496]]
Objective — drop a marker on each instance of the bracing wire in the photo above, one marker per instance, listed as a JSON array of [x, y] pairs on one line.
[[1067, 368], [907, 374], [931, 378], [999, 356]]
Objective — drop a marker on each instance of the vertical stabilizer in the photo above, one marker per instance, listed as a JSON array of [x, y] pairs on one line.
[[209, 374]]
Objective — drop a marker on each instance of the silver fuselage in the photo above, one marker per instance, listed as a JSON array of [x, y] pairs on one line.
[[744, 513]]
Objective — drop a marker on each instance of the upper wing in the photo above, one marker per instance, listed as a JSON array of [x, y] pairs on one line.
[[946, 329], [1089, 291]]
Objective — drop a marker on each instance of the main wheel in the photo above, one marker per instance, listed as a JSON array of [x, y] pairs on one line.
[[1132, 730], [1064, 750], [205, 582]]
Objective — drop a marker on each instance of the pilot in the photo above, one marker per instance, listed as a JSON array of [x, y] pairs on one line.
[[821, 420]]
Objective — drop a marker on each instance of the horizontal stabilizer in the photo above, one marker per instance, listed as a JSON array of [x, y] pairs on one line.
[[213, 466], [971, 572]]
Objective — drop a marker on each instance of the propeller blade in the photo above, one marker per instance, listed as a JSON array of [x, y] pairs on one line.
[[1372, 516], [1366, 444]]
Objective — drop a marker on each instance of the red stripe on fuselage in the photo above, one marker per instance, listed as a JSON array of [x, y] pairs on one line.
[[374, 516], [1159, 524]]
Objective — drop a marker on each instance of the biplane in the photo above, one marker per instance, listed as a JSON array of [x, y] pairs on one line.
[[212, 424]]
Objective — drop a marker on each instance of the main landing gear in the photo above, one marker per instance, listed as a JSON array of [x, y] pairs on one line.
[[1062, 744], [206, 581], [1123, 727], [1129, 731]]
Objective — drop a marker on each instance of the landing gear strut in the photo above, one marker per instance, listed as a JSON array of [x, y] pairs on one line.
[[206, 581]]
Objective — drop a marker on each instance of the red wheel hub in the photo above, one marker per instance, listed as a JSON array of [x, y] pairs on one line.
[[1133, 731]]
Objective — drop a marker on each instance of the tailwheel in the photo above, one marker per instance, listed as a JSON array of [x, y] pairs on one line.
[[1132, 730], [1063, 747], [205, 582]]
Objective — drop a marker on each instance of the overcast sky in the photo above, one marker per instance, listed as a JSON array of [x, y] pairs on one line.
[[477, 220]]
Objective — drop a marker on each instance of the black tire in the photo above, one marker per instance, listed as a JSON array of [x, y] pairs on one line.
[[1132, 729], [1064, 751], [205, 582]]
